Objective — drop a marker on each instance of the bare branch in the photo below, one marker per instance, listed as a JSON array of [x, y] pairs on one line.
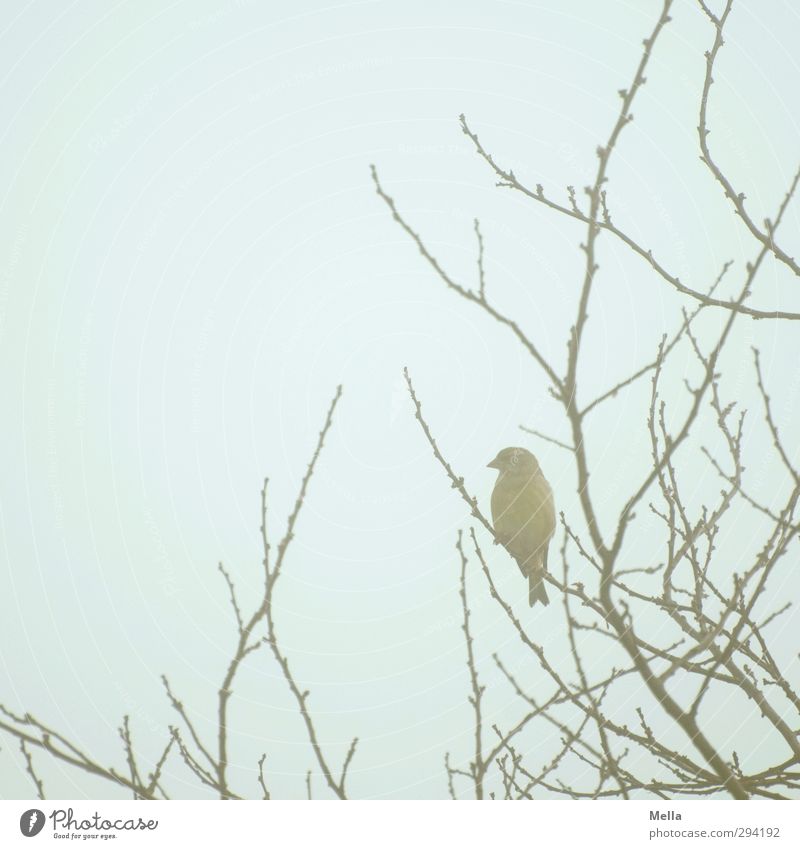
[[31, 771], [467, 294], [481, 272], [301, 696], [766, 236], [478, 766], [261, 777], [547, 438]]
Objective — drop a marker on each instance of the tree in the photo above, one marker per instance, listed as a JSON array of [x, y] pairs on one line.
[[689, 630], [658, 639]]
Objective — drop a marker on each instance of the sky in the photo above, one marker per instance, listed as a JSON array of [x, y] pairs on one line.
[[193, 259]]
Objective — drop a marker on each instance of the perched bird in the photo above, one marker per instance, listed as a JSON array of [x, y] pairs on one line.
[[524, 515]]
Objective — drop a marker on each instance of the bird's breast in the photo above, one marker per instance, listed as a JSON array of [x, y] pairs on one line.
[[523, 513]]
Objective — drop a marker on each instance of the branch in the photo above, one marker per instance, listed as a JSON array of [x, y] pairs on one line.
[[478, 766], [467, 294], [766, 236], [31, 771], [301, 696], [510, 181]]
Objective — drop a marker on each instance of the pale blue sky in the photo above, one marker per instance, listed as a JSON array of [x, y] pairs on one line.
[[193, 257]]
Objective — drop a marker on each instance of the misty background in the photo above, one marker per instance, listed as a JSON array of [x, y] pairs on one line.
[[193, 258]]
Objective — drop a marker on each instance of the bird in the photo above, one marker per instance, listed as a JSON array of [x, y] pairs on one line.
[[523, 515]]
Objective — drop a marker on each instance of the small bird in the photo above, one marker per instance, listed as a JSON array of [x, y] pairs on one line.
[[524, 515]]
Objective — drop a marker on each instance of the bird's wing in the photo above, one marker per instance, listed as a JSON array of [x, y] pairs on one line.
[[524, 517], [545, 516]]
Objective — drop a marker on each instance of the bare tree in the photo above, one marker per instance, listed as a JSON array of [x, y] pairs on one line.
[[674, 636], [208, 764], [688, 630]]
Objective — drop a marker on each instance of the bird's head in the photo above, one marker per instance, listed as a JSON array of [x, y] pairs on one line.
[[515, 460]]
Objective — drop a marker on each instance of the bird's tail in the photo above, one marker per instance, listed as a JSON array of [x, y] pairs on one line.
[[536, 589]]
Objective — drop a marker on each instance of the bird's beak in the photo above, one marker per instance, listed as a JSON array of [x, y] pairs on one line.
[[493, 464]]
